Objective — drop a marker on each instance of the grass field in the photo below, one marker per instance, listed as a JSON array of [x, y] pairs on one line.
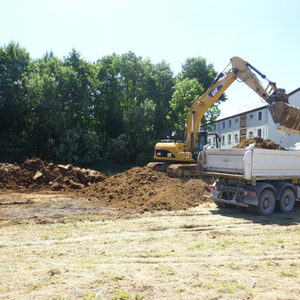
[[200, 253]]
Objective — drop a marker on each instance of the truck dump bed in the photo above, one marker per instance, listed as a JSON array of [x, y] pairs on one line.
[[250, 163]]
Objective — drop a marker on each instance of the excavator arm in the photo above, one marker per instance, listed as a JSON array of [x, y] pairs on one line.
[[245, 72]]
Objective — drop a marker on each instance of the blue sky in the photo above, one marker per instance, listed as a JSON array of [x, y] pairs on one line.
[[265, 33]]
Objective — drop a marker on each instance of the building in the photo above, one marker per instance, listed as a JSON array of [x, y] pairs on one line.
[[253, 120]]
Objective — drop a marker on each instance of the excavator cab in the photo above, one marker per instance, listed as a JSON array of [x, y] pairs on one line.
[[203, 138]]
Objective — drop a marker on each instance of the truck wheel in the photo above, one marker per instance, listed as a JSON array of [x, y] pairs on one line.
[[266, 202], [287, 200]]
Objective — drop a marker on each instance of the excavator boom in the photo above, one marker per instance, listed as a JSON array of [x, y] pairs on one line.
[[246, 73]]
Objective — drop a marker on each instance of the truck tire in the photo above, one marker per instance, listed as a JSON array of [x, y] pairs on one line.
[[287, 200], [266, 202]]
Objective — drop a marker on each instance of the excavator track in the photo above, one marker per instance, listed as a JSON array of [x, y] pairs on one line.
[[182, 170], [158, 166], [175, 170]]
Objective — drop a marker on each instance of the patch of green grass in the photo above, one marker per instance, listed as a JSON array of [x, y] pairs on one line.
[[230, 287], [45, 237], [109, 242], [233, 266], [208, 285], [289, 273], [121, 296], [181, 289], [125, 296], [117, 277], [223, 244], [198, 246], [272, 263], [168, 271], [92, 296], [15, 222]]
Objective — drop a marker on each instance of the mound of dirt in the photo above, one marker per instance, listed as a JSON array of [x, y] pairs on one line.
[[35, 174], [139, 189], [260, 143], [143, 189]]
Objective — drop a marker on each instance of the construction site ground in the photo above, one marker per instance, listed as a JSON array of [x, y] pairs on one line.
[[197, 253], [71, 233]]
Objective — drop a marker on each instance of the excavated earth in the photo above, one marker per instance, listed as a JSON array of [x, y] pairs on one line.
[[44, 192], [143, 189], [260, 143], [35, 174]]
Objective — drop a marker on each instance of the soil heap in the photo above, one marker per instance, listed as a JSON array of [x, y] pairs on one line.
[[143, 189], [36, 174], [260, 143]]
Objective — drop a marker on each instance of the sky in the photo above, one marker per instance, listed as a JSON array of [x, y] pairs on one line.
[[266, 33]]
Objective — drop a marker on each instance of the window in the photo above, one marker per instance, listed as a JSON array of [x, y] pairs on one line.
[[229, 139], [223, 140], [250, 133], [236, 120], [259, 115], [229, 123], [209, 142], [251, 116], [223, 125], [236, 138], [259, 131]]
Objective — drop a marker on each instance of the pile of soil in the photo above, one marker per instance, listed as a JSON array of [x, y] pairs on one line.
[[143, 189], [139, 189], [260, 143], [37, 174]]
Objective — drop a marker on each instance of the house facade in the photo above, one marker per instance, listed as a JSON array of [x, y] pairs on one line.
[[251, 121]]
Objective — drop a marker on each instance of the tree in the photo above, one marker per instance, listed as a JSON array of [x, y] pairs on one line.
[[71, 110], [185, 93], [15, 105], [135, 94], [198, 68]]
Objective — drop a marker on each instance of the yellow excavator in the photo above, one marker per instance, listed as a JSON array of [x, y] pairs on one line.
[[178, 158]]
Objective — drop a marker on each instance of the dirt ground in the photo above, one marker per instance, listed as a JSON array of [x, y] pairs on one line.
[[40, 192]]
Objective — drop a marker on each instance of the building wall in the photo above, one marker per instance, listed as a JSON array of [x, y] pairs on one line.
[[259, 122]]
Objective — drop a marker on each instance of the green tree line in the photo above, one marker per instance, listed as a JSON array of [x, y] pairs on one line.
[[93, 114]]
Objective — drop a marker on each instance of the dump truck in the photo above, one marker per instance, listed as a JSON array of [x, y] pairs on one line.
[[261, 180]]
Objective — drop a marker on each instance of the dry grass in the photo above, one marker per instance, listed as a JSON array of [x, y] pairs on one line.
[[201, 253]]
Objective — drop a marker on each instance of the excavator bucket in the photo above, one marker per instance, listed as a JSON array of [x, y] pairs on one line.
[[286, 115]]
